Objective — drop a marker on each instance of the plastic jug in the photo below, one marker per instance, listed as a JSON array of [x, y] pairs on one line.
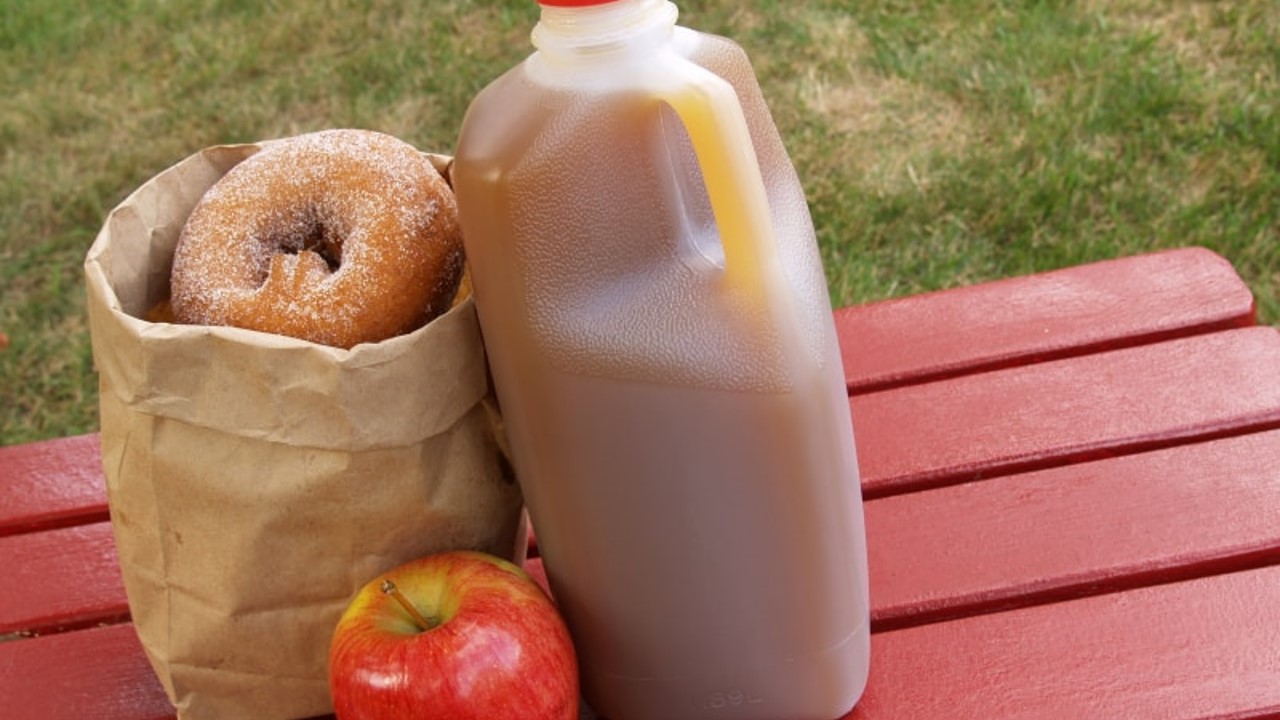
[[661, 341]]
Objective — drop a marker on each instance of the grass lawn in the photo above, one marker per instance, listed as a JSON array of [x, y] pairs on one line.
[[940, 142]]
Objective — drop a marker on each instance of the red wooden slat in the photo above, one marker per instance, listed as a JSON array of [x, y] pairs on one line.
[[1074, 311], [50, 484], [99, 673], [1170, 514], [1206, 648], [60, 579], [69, 578], [1030, 417]]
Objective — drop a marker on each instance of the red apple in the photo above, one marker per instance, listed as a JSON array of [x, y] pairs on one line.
[[457, 635]]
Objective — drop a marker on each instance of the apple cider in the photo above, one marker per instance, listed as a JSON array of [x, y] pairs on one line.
[[661, 342]]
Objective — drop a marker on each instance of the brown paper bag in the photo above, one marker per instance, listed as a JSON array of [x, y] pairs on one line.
[[256, 481]]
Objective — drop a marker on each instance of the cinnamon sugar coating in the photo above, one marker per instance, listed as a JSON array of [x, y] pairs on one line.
[[339, 237]]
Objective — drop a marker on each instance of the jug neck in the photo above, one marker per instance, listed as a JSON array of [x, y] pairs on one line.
[[566, 30]]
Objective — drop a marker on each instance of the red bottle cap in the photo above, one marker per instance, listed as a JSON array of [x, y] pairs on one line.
[[574, 3]]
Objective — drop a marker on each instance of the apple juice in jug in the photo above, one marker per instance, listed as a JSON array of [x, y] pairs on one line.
[[660, 336]]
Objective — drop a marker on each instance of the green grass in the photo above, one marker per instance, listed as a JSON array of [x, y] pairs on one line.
[[941, 143]]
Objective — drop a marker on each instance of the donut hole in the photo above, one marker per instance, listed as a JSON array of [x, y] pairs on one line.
[[314, 236]]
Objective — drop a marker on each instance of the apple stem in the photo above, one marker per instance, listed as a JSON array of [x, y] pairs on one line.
[[424, 624]]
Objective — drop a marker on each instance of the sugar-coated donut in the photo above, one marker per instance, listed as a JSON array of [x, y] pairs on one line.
[[339, 237]]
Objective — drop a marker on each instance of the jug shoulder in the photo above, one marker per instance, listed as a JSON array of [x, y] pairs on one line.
[[499, 118], [697, 45]]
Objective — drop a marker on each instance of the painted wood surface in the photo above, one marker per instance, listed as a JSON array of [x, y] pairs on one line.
[[51, 484], [1206, 648], [1069, 410], [1074, 311], [60, 579], [94, 674], [1083, 529], [1076, 519]]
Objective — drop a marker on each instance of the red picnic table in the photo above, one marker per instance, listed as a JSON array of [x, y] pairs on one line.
[[1072, 487]]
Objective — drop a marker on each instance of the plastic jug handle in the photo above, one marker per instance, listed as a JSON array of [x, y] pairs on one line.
[[717, 127]]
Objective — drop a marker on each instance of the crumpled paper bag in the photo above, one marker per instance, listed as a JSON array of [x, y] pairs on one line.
[[257, 481]]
